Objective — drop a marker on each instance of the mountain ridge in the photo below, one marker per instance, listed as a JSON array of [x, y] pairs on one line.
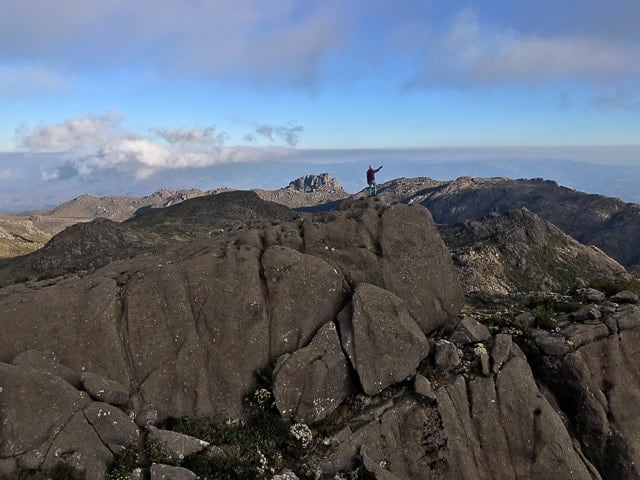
[[230, 335]]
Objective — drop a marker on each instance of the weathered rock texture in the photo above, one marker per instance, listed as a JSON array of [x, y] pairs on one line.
[[396, 248], [185, 330], [608, 223], [384, 343], [596, 384], [314, 380], [515, 251], [340, 303]]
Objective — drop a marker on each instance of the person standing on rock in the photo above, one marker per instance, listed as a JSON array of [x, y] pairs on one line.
[[371, 180]]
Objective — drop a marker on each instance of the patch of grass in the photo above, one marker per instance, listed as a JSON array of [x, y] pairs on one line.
[[244, 449], [250, 449], [30, 475], [544, 308], [61, 471], [156, 454], [123, 464], [435, 375]]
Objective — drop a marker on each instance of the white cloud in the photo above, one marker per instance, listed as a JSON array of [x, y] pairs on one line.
[[252, 39], [471, 53], [91, 146], [289, 132], [88, 131], [205, 136]]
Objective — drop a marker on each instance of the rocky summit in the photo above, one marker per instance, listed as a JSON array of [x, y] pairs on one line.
[[608, 223], [228, 336]]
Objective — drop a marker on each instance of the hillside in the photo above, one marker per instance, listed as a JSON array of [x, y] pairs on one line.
[[27, 232], [503, 254], [21, 234], [18, 237], [608, 223], [90, 245]]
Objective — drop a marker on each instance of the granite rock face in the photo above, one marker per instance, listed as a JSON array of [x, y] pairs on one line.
[[501, 426], [387, 344], [312, 381], [183, 332], [358, 313], [598, 393]]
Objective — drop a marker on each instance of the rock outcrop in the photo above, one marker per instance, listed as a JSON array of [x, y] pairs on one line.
[[519, 251], [184, 331], [313, 381], [592, 382], [307, 192], [360, 317], [608, 223], [383, 341]]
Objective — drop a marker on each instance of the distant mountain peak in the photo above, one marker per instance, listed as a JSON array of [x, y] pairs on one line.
[[313, 183]]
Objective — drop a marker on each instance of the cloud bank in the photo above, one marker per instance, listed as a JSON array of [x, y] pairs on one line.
[[263, 41], [93, 145], [307, 43], [470, 53]]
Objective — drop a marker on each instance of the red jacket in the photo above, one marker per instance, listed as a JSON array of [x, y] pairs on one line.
[[371, 174]]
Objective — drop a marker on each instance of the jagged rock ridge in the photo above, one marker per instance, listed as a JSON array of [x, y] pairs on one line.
[[610, 224], [307, 191], [518, 252], [21, 234]]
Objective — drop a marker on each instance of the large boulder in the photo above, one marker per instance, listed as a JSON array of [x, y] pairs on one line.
[[47, 362], [77, 320], [183, 331], [385, 344], [42, 423], [173, 445], [397, 248], [470, 330], [114, 427], [597, 385], [313, 381], [197, 330], [304, 293], [105, 390]]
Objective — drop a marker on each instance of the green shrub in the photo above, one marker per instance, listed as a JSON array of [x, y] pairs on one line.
[[123, 464], [544, 308], [264, 440], [31, 475], [61, 471]]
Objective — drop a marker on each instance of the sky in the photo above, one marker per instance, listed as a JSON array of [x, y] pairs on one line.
[[101, 94]]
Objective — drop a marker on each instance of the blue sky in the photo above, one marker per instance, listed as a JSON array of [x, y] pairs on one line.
[[133, 88]]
